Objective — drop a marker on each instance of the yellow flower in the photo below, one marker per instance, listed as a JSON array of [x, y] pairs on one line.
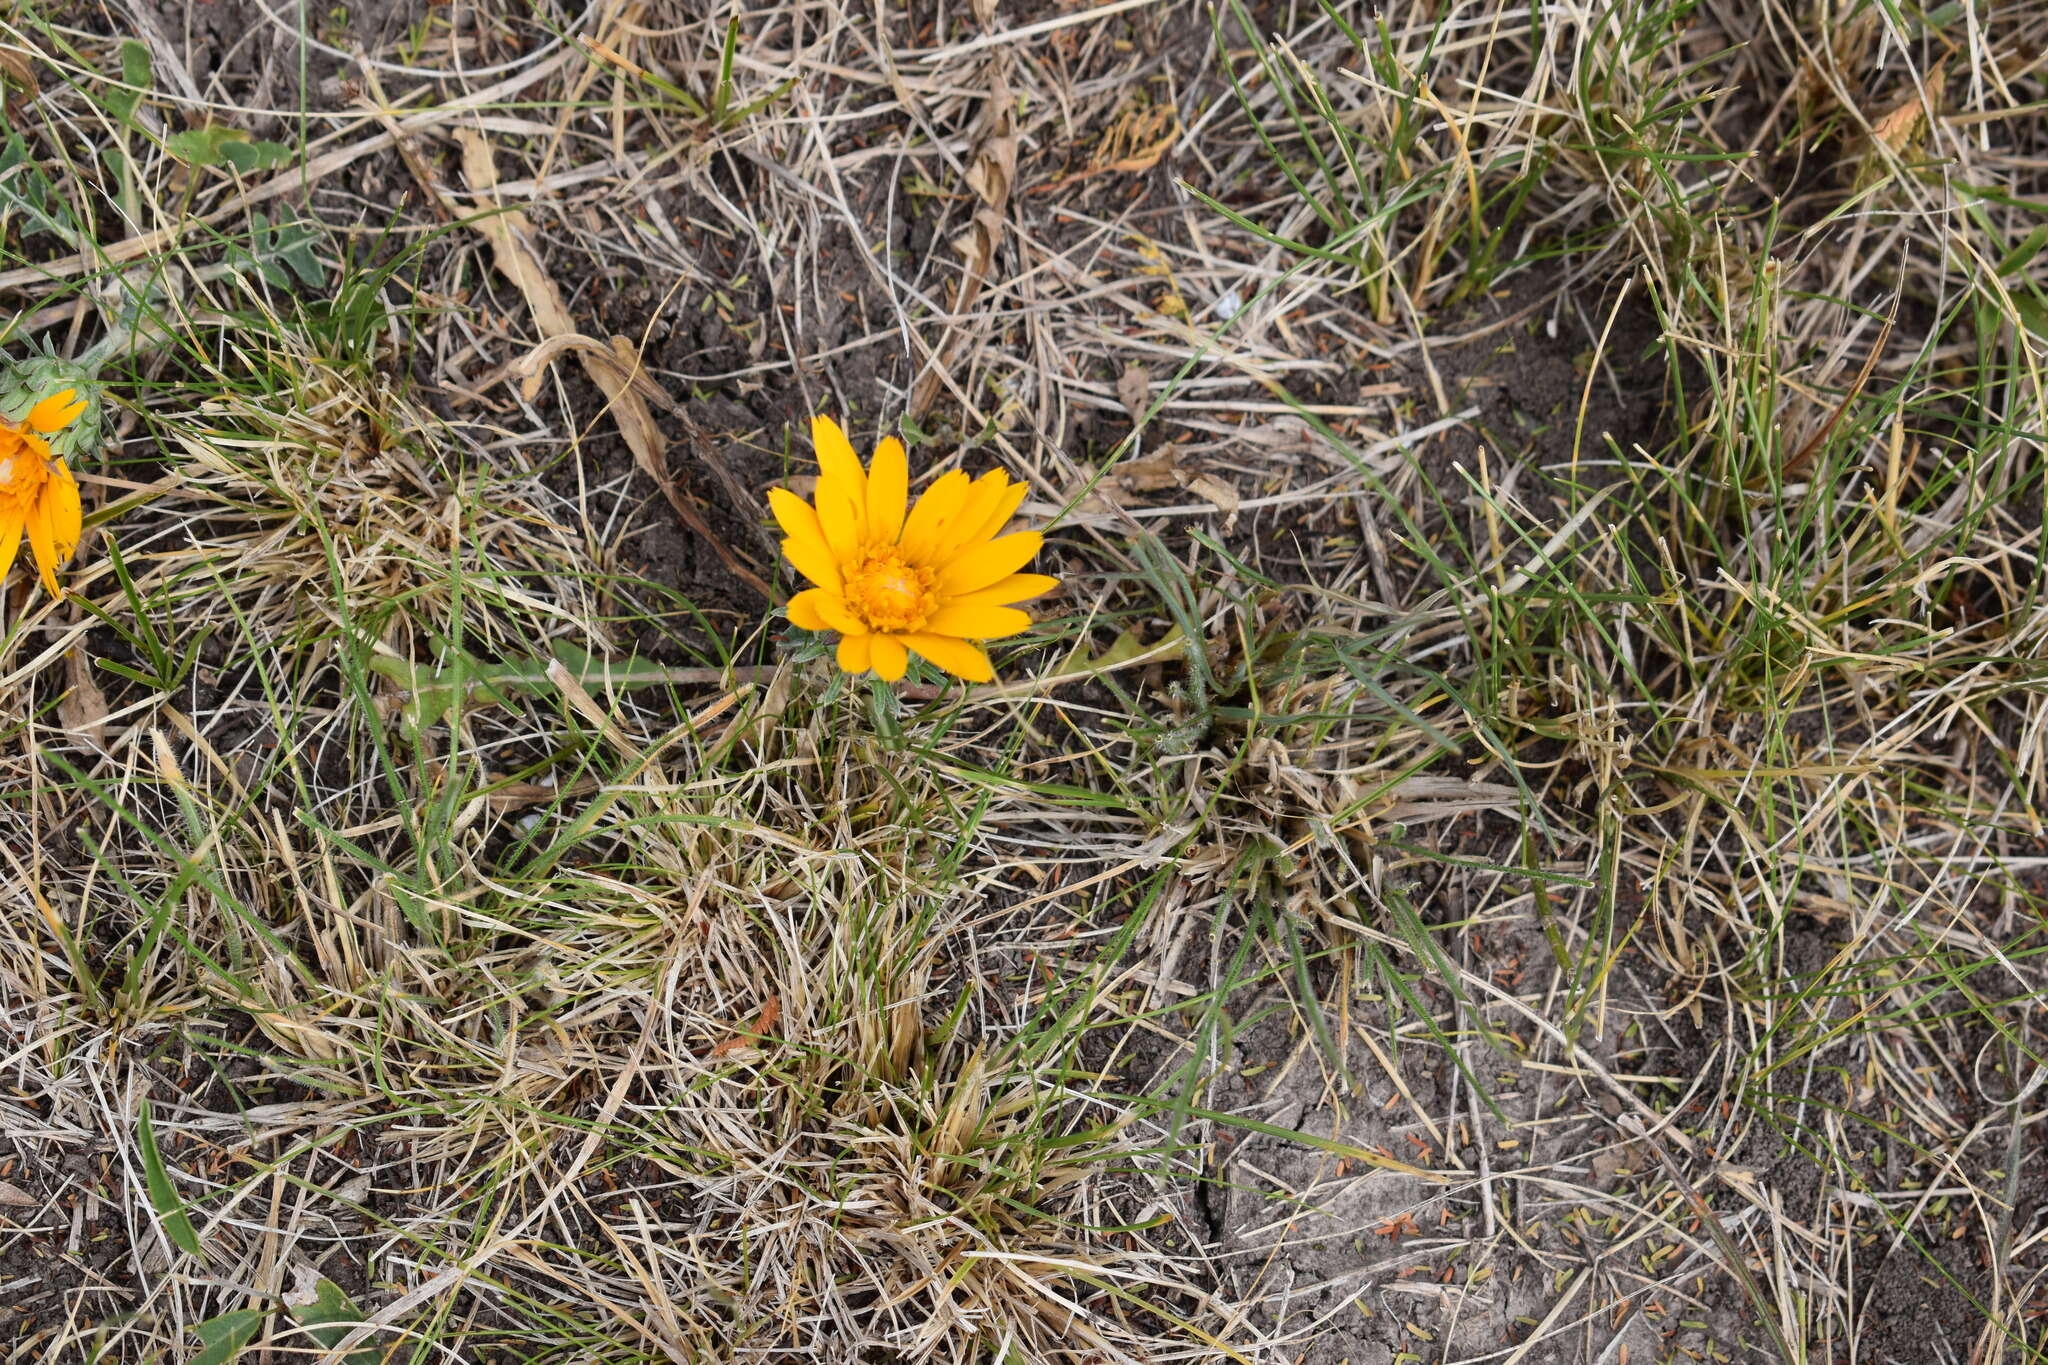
[[892, 578], [37, 493]]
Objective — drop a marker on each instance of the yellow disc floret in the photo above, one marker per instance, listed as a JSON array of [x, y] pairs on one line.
[[24, 468], [889, 593]]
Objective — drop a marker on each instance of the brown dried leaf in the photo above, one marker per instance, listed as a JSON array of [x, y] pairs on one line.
[[771, 1011], [518, 796], [1146, 158], [630, 410], [529, 368], [15, 1197], [1149, 475], [1419, 800], [19, 67], [1400, 1225], [1218, 492], [1902, 129], [83, 709], [1134, 391], [1136, 141], [1283, 433], [1896, 129], [508, 232], [995, 170]]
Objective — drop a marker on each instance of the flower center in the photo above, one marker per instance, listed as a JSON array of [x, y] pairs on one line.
[[22, 470], [890, 593]]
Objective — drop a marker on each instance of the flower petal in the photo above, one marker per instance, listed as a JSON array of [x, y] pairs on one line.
[[814, 561], [795, 516], [855, 652], [976, 621], [983, 566], [840, 617], [67, 515], [10, 535], [959, 531], [999, 516], [802, 610], [805, 527], [957, 657], [938, 505], [816, 609], [887, 655], [57, 411], [842, 518], [836, 460], [1018, 587], [42, 539], [888, 490]]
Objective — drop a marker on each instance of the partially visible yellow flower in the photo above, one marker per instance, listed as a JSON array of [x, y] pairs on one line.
[[37, 493], [893, 579]]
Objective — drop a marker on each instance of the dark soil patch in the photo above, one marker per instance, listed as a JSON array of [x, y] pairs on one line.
[[1526, 358]]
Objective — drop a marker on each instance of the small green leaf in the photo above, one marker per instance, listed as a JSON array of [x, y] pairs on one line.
[[136, 69], [1122, 650], [220, 145], [274, 246], [472, 681], [223, 1338], [2033, 311], [255, 156], [136, 77], [163, 1196], [27, 190], [414, 908], [2024, 253], [328, 1317]]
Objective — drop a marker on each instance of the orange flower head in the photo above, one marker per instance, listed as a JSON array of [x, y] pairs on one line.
[[38, 496], [892, 579]]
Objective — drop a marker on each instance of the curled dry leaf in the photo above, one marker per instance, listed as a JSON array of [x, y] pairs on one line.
[[1161, 469], [1422, 799], [1134, 391], [1213, 490], [771, 1012], [1137, 140]]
